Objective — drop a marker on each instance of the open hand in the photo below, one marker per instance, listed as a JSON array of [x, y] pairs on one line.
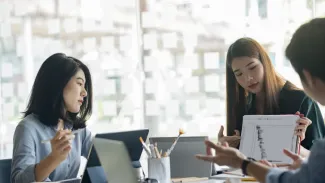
[[225, 155], [233, 141], [297, 160]]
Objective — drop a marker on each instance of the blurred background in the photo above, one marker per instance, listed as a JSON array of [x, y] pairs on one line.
[[157, 64]]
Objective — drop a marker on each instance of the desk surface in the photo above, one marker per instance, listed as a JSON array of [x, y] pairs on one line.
[[201, 180], [196, 180]]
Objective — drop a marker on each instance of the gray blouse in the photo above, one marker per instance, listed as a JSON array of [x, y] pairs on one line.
[[28, 151]]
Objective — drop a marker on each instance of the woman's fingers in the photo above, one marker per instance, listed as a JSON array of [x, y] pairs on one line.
[[237, 133], [220, 134], [304, 121]]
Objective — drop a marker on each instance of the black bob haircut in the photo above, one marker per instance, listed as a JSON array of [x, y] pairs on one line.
[[46, 100], [306, 50]]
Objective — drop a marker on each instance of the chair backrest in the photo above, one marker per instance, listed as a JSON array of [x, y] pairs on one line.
[[5, 170]]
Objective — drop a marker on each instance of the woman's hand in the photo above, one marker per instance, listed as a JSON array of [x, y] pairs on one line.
[[297, 161], [301, 127], [61, 144], [225, 155], [233, 141]]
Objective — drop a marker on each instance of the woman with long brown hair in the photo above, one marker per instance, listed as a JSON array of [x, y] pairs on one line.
[[306, 54], [254, 87]]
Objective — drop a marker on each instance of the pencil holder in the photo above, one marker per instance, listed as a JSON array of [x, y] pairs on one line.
[[159, 168]]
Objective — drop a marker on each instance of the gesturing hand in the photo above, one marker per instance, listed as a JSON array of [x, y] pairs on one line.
[[233, 141], [61, 144], [297, 160], [225, 155]]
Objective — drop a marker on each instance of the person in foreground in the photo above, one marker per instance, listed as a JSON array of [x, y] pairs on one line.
[[307, 56], [254, 87], [60, 102]]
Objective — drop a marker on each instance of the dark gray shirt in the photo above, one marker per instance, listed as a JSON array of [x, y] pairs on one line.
[[28, 151], [311, 171]]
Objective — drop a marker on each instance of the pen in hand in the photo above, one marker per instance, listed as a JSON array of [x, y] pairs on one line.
[[73, 132]]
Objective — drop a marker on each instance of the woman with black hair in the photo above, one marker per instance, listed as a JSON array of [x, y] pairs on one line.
[[60, 102]]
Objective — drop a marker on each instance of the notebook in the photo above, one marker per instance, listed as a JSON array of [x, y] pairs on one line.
[[265, 137]]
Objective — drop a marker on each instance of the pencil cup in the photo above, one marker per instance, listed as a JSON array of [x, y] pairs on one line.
[[159, 168]]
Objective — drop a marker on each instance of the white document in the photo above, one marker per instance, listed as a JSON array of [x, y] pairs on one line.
[[265, 137]]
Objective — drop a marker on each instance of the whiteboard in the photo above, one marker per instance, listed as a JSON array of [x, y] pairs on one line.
[[265, 137]]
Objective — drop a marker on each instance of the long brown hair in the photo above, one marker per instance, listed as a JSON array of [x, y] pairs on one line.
[[237, 96]]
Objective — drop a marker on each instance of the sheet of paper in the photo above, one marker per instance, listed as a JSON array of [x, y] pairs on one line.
[[265, 137]]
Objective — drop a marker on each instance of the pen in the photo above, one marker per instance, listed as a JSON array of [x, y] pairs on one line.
[[274, 161], [48, 140], [145, 147], [180, 132], [152, 150], [157, 152]]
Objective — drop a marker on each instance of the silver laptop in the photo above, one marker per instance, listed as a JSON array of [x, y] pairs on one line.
[[115, 161], [182, 159]]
